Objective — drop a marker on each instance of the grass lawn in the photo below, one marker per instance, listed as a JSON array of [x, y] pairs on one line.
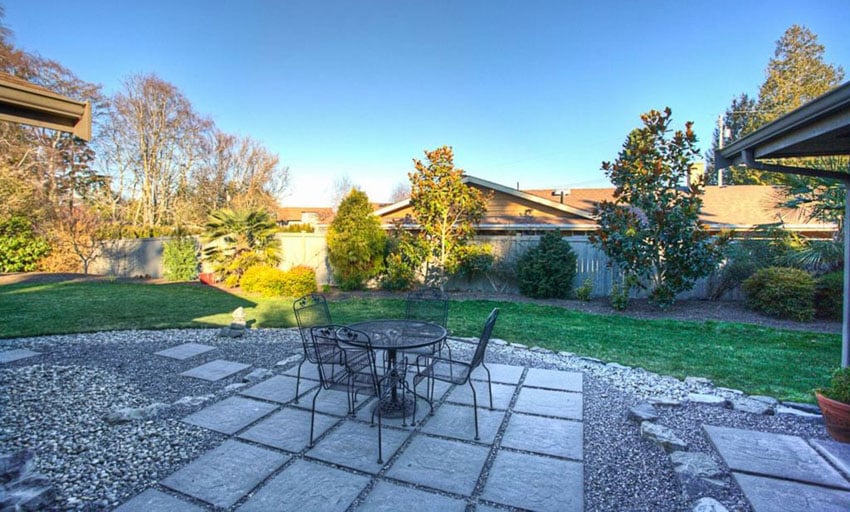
[[781, 363]]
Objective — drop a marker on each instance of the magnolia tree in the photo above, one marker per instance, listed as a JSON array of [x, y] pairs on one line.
[[651, 230]]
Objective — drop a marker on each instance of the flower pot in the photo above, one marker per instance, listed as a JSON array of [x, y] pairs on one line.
[[836, 415], [207, 278]]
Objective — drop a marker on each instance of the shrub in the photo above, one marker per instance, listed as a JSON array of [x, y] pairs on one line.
[[839, 386], [300, 281], [404, 255], [20, 247], [475, 260], [619, 297], [399, 274], [547, 270], [781, 292], [584, 291], [829, 292], [180, 259], [273, 282]]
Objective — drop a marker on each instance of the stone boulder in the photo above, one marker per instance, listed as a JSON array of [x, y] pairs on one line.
[[128, 414], [20, 487], [697, 472], [643, 411], [709, 505], [663, 436]]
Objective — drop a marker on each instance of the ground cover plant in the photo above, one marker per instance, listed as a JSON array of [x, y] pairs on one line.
[[759, 360]]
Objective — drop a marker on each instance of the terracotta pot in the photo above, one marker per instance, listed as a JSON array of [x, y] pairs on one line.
[[206, 278], [836, 415]]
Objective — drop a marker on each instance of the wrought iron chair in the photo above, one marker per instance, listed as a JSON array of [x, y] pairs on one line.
[[457, 372], [428, 305], [346, 362], [310, 311]]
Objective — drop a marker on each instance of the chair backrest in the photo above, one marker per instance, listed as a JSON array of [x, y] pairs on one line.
[[429, 305], [478, 357], [310, 311], [341, 352], [324, 349]]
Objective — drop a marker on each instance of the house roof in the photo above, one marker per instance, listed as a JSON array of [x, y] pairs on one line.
[[27, 103], [296, 213]]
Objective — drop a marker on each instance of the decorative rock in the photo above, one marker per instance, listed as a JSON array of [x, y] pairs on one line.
[[695, 463], [592, 360], [781, 409], [13, 466], [663, 436], [566, 354], [705, 399], [698, 381], [709, 505], [232, 387], [239, 316], [128, 414], [731, 391], [617, 366], [21, 488], [234, 331], [499, 343], [665, 401], [294, 358], [809, 408], [751, 406], [518, 345], [258, 375], [643, 411], [193, 400], [541, 350], [769, 400]]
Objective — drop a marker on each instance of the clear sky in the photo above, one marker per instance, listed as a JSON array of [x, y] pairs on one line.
[[534, 92]]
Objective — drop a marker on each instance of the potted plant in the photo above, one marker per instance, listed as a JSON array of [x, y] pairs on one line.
[[834, 402]]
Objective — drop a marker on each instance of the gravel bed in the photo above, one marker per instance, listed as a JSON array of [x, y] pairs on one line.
[[55, 404]]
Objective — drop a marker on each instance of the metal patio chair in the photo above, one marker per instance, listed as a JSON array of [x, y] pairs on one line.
[[346, 361], [457, 372], [428, 305], [310, 311]]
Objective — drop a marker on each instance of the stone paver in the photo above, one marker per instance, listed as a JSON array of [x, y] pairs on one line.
[[307, 486], [355, 445], [548, 436], [450, 466], [771, 495], [184, 351], [545, 402], [836, 453], [288, 429], [776, 455], [502, 395], [536, 483], [280, 389], [152, 500], [389, 497], [308, 371], [16, 354], [554, 379], [458, 421], [215, 370], [222, 476], [503, 373], [329, 401], [230, 415]]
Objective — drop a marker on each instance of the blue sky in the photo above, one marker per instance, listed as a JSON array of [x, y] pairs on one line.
[[534, 92]]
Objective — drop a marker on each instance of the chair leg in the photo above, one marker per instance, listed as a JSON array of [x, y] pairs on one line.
[[313, 415], [474, 407], [489, 384], [298, 378], [380, 449]]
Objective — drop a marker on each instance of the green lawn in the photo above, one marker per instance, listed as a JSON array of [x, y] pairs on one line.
[[758, 360]]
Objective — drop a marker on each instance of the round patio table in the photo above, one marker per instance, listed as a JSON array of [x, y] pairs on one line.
[[393, 335]]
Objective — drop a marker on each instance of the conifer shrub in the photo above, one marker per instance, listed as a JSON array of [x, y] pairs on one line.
[[547, 270], [782, 292]]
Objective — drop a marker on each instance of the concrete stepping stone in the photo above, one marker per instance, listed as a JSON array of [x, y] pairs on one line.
[[547, 436], [152, 500], [184, 351], [502, 395], [16, 354], [364, 412], [280, 389], [355, 445], [535, 482], [230, 415], [222, 476], [329, 401], [554, 379], [836, 453], [545, 402], [309, 371], [770, 494], [288, 429], [777, 455], [307, 486], [215, 370], [458, 421], [440, 387], [504, 373], [450, 466], [389, 497]]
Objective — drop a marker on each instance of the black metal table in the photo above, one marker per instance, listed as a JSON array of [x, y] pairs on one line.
[[393, 335]]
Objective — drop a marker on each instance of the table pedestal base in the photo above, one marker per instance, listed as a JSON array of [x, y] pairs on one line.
[[399, 408]]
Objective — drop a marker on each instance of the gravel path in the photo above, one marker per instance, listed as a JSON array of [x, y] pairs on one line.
[[56, 405]]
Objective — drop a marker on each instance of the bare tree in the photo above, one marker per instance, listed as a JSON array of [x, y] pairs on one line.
[[401, 191], [341, 187]]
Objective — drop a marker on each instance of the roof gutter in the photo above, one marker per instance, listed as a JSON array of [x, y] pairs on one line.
[[25, 103]]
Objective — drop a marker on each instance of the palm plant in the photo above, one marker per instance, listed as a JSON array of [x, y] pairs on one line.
[[238, 239]]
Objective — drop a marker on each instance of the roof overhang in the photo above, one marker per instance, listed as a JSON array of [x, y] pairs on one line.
[[26, 103]]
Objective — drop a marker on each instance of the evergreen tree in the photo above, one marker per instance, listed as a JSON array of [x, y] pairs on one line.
[[356, 242]]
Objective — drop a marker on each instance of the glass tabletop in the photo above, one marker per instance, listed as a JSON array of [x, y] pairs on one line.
[[400, 334]]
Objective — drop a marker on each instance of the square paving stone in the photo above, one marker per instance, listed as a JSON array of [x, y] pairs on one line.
[[770, 494], [450, 466], [329, 401], [458, 421], [152, 500], [545, 402], [7, 356], [355, 445], [777, 455], [536, 483], [504, 373], [440, 387], [549, 436], [502, 395], [280, 389], [184, 351], [230, 415], [309, 371], [215, 370], [289, 429], [554, 379], [307, 486], [836, 453], [222, 476], [364, 413], [389, 497]]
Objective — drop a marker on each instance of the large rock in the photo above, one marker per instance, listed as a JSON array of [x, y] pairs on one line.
[[21, 488], [128, 414], [258, 375], [751, 406], [643, 411], [705, 399], [709, 505], [663, 436], [665, 401], [697, 472], [699, 382]]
